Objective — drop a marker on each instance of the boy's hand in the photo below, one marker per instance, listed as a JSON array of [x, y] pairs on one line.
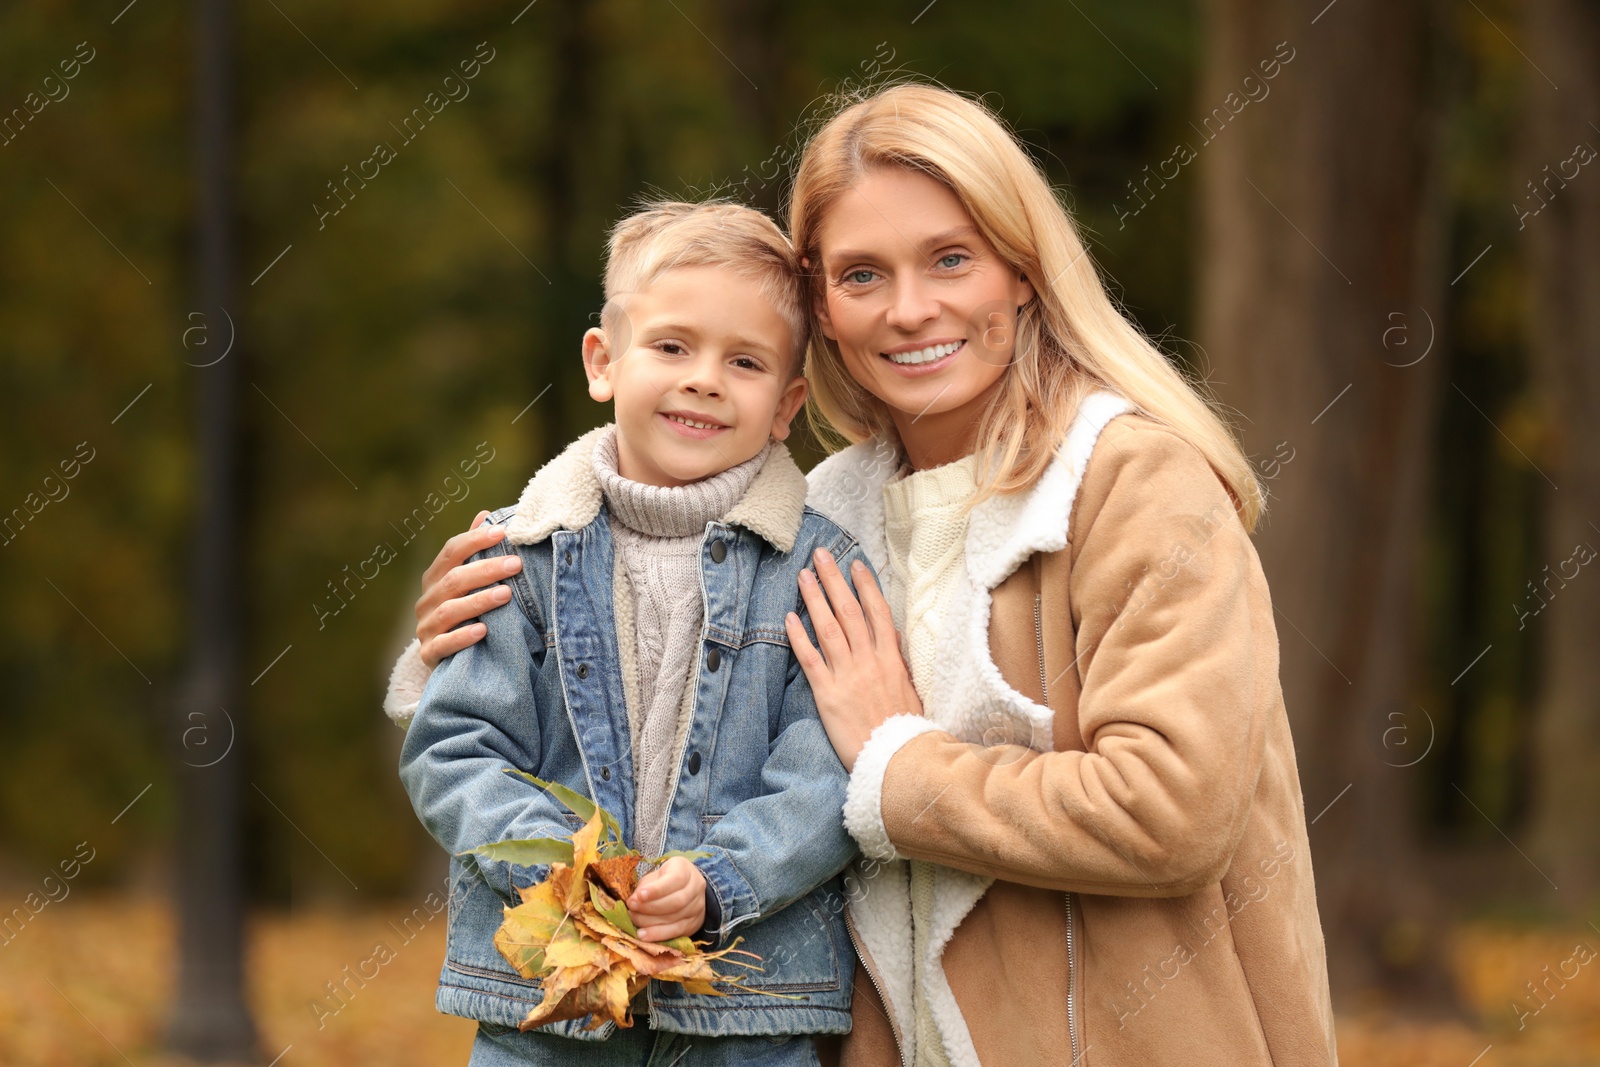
[[669, 901]]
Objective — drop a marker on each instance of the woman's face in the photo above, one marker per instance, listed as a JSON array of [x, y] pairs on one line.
[[923, 309]]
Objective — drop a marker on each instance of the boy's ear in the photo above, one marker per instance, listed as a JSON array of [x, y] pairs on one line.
[[597, 363], [794, 395]]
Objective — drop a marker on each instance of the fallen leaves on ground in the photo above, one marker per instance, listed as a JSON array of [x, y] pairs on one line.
[[91, 980], [1555, 1024]]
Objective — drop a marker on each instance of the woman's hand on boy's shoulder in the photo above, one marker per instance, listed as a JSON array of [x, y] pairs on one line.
[[454, 590], [858, 676]]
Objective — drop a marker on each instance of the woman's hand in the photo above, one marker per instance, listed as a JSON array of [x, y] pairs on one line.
[[859, 678], [669, 901], [448, 598]]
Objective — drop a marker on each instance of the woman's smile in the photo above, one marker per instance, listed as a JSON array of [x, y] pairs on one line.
[[924, 358]]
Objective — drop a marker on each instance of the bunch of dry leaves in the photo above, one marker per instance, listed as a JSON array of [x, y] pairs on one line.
[[573, 932]]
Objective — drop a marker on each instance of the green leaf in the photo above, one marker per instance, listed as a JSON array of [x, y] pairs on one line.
[[580, 805], [617, 914], [529, 853]]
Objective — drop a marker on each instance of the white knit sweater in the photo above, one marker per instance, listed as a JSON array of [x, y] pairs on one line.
[[925, 531]]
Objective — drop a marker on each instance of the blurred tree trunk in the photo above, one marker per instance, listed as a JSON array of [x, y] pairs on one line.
[[210, 1020], [1321, 224], [568, 162], [758, 58], [1563, 249]]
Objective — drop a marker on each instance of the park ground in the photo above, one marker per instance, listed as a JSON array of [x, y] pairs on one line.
[[85, 985]]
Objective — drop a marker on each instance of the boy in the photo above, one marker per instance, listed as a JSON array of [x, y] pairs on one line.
[[642, 660]]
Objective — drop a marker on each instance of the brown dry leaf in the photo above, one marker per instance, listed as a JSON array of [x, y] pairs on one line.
[[619, 875], [640, 960], [559, 1004], [693, 970]]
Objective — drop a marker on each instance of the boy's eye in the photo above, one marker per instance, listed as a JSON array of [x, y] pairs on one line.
[[747, 363], [671, 348]]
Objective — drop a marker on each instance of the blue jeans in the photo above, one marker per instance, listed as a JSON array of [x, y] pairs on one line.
[[639, 1046]]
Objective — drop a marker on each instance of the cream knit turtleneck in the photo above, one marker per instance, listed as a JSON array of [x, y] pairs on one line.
[[656, 534], [925, 526]]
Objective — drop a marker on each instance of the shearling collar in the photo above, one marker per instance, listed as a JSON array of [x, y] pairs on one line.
[[1004, 530], [565, 495]]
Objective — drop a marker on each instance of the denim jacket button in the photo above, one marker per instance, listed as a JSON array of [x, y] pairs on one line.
[[583, 670], [719, 550], [605, 774], [694, 763], [713, 660]]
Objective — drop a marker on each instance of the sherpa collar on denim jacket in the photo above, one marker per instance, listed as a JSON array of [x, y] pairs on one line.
[[565, 495]]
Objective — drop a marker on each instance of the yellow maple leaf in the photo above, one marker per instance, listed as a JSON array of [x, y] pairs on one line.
[[528, 928]]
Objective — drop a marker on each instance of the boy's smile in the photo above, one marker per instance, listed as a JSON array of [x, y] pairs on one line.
[[699, 367], [692, 424]]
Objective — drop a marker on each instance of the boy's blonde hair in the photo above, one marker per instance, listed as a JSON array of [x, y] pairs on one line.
[[1070, 338], [665, 234]]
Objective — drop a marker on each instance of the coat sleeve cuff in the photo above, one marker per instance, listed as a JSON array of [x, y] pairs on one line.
[[713, 920], [730, 897], [863, 799], [406, 683]]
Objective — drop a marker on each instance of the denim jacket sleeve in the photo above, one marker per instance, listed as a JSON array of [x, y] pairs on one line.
[[476, 717], [773, 849]]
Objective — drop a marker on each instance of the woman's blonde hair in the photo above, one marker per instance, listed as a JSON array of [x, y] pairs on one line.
[[1070, 337]]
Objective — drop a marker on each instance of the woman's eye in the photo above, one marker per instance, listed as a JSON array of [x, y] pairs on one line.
[[859, 277], [951, 260]]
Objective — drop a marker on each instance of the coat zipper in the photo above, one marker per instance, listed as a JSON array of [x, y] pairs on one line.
[[1072, 969], [1038, 633], [1072, 977], [866, 965]]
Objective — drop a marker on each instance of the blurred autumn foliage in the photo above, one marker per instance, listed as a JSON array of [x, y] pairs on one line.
[[391, 343], [416, 263]]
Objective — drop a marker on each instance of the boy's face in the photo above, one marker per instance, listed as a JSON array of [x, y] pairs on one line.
[[701, 345]]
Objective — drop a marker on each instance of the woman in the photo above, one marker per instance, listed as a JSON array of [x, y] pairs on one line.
[[1080, 817]]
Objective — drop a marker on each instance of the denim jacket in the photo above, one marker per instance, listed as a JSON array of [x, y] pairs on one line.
[[759, 788]]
